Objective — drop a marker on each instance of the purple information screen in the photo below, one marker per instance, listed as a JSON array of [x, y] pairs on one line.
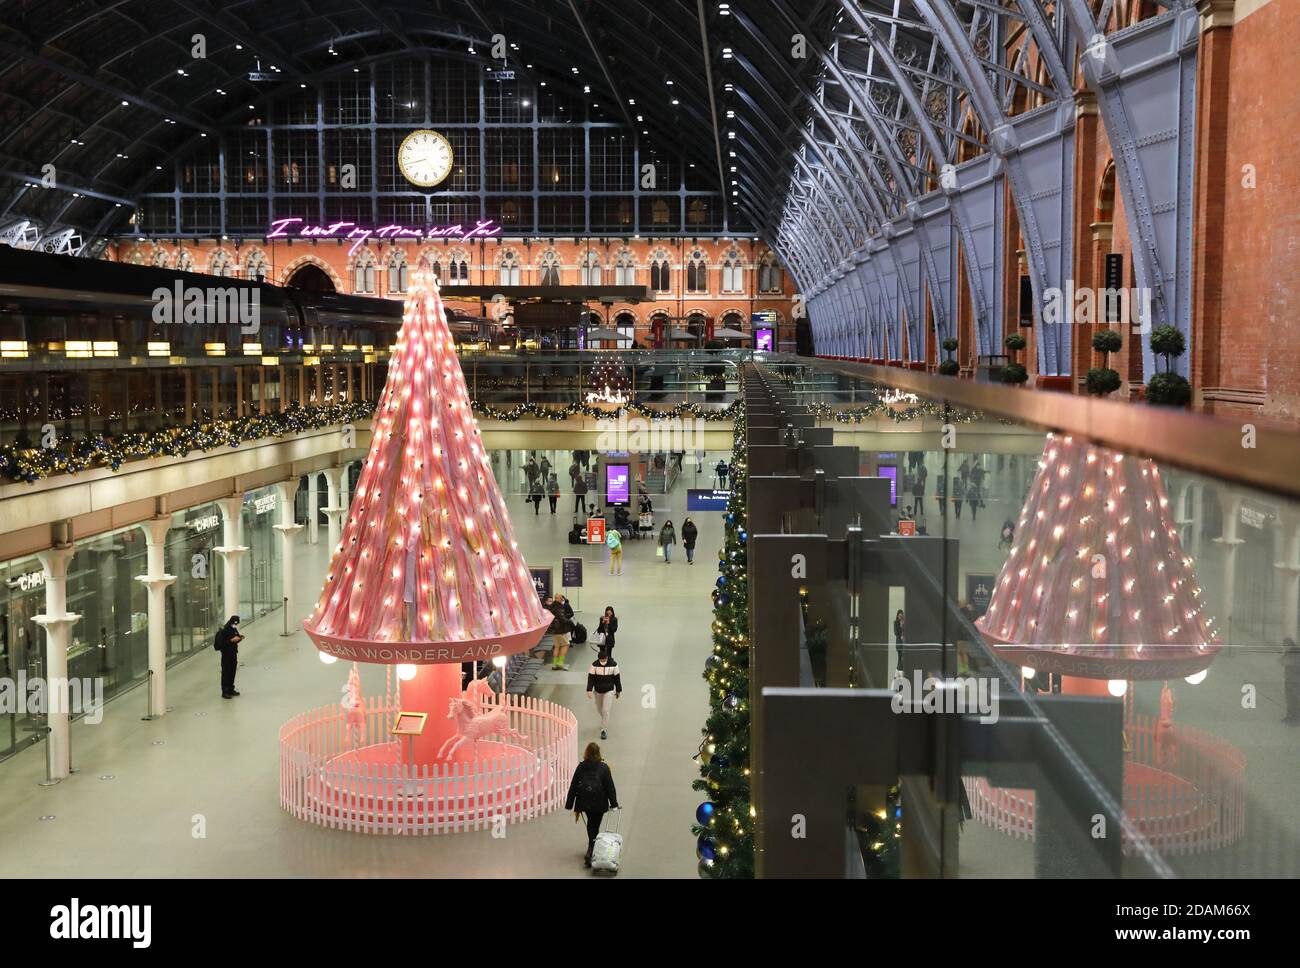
[[891, 472], [616, 484], [764, 340]]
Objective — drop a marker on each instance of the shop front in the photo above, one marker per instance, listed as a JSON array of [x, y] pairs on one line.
[[261, 586]]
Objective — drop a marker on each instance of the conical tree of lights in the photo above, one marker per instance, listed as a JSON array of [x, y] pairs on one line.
[[427, 573], [1097, 584]]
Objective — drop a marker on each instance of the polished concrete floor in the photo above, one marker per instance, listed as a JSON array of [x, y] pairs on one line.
[[195, 794]]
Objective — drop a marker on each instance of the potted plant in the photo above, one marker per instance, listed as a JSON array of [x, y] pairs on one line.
[[949, 367], [1167, 388], [1102, 379], [1014, 372]]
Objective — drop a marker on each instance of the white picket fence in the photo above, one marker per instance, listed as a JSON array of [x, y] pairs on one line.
[[319, 783], [1202, 809]]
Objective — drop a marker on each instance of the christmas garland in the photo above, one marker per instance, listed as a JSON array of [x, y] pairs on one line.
[[724, 824], [19, 462]]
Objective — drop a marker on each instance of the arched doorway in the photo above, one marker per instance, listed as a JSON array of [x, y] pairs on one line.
[[311, 278]]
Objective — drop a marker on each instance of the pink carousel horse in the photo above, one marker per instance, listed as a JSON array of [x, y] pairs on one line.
[[354, 707], [480, 694], [472, 727]]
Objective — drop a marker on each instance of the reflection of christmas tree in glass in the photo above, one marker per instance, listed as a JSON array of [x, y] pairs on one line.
[[608, 383], [427, 555], [1097, 584]]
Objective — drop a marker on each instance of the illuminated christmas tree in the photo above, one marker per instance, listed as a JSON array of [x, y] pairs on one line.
[[428, 573], [1097, 584], [608, 383]]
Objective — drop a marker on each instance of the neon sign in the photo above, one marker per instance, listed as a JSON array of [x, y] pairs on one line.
[[283, 228]]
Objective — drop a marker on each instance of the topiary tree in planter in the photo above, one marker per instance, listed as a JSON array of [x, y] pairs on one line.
[[1014, 372], [1167, 388], [949, 367], [1102, 379]]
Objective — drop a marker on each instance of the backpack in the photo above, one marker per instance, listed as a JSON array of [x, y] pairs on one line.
[[590, 794], [579, 633]]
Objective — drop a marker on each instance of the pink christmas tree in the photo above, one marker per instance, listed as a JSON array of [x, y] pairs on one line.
[[1097, 584], [428, 572]]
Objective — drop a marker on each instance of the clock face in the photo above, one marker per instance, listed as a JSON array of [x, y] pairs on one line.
[[424, 158]]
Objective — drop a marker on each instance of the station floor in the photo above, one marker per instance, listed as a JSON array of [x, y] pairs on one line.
[[142, 789]]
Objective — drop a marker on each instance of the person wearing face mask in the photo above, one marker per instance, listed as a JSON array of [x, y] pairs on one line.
[[227, 643]]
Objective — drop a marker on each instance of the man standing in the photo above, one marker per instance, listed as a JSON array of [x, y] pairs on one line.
[[227, 643]]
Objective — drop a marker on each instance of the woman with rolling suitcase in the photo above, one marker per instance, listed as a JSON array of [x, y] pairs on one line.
[[591, 793]]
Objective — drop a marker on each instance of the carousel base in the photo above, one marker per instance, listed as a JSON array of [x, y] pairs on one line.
[[1184, 796], [338, 776]]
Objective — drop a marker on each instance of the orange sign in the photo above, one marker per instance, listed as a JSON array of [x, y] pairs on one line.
[[595, 531], [907, 527]]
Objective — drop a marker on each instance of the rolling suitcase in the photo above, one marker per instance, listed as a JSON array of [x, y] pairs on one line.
[[607, 855]]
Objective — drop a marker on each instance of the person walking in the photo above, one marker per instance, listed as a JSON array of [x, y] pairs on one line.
[[958, 494], [545, 468], [699, 462], [606, 629], [900, 629], [227, 643], [591, 792], [918, 495], [973, 498], [574, 470], [689, 533], [579, 493], [667, 538], [614, 542], [722, 470], [560, 627], [1291, 681], [604, 685], [530, 471], [553, 491], [535, 496]]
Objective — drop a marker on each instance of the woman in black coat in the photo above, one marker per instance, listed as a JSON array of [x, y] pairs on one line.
[[608, 626], [592, 793], [689, 533]]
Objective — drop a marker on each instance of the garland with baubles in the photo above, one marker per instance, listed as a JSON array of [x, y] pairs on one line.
[[724, 824]]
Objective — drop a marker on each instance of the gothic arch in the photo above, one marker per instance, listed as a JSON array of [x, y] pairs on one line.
[[319, 263]]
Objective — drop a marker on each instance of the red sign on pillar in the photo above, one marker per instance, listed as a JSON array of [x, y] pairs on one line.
[[907, 527], [595, 531]]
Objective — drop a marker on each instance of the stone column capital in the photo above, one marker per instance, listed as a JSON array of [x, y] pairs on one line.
[[155, 581]]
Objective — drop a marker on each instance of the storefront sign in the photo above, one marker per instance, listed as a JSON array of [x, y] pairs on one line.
[[595, 531], [264, 504], [33, 579], [979, 591], [1253, 517], [199, 525], [571, 572], [359, 234], [706, 499]]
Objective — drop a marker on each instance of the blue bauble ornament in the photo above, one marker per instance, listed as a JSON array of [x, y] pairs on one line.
[[744, 537], [704, 813], [705, 848], [722, 581], [723, 600], [720, 762], [722, 565]]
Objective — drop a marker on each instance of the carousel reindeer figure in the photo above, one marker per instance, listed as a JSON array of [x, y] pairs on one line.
[[472, 727]]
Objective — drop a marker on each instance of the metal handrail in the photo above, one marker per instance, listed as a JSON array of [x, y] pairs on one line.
[[1198, 442]]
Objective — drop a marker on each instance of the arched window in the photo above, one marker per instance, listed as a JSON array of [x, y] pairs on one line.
[[591, 269], [221, 264], [733, 272], [660, 272], [363, 272], [625, 323], [255, 266], [184, 261], [398, 271], [461, 271], [508, 268], [159, 258], [697, 273], [659, 212], [770, 276], [548, 267], [625, 268]]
